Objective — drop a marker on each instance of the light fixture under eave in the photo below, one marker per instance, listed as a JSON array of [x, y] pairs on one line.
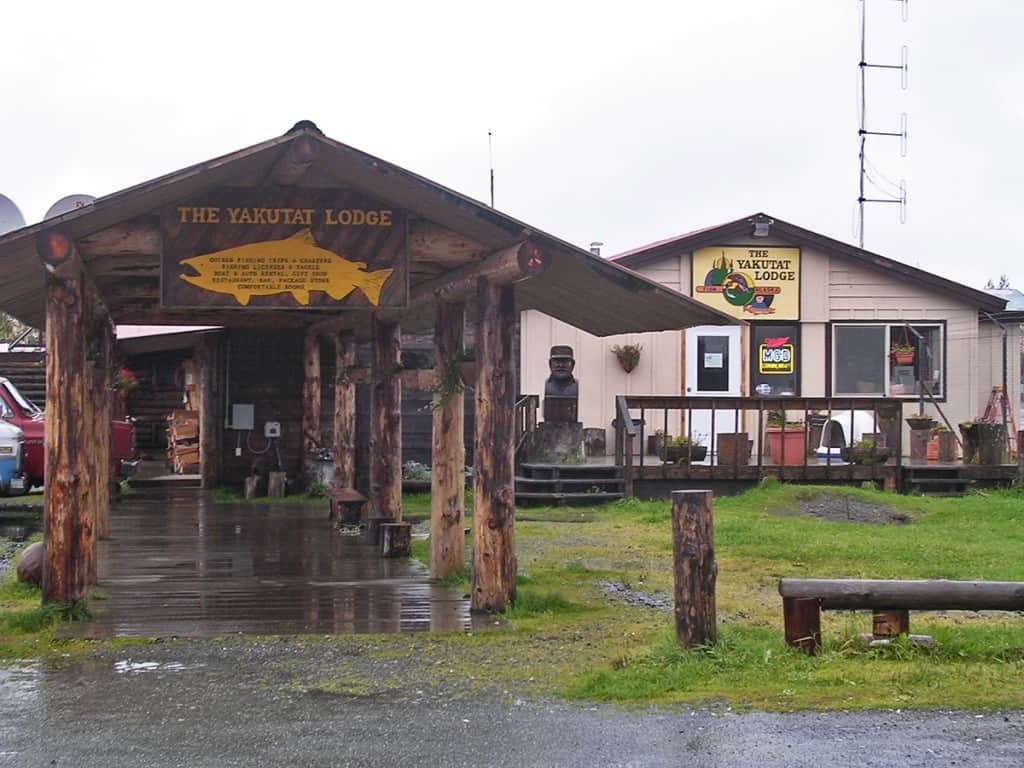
[[763, 227]]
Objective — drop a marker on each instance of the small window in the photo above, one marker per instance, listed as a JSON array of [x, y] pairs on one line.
[[775, 370], [887, 359]]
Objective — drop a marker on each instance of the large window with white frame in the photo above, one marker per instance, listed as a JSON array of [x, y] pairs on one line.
[[888, 359]]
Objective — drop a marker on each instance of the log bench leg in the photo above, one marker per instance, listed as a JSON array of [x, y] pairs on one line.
[[890, 623], [802, 617]]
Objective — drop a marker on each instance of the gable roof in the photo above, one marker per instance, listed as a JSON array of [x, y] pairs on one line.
[[568, 290], [690, 241]]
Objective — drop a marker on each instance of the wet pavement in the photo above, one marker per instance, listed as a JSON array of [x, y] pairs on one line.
[[178, 565], [290, 702]]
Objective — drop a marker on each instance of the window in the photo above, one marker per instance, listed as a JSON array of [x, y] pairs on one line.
[[887, 359], [775, 356]]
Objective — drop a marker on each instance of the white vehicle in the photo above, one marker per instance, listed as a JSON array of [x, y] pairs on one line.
[[12, 453]]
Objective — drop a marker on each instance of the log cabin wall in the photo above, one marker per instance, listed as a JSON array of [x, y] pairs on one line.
[[159, 392]]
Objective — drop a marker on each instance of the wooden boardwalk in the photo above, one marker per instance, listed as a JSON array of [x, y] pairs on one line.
[[178, 565]]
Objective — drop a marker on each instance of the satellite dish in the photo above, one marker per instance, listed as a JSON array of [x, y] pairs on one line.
[[10, 216], [69, 203]]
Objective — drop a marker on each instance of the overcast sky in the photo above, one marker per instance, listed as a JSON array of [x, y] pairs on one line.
[[620, 122]]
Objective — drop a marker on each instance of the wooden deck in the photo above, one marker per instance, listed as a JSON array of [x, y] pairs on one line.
[[178, 565]]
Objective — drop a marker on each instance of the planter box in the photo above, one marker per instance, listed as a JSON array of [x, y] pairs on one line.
[[683, 453], [733, 449], [857, 455], [655, 443], [795, 439]]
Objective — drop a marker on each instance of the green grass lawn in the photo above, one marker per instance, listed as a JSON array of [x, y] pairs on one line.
[[566, 636]]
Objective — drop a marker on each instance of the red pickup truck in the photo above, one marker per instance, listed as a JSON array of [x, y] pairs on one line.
[[14, 408]]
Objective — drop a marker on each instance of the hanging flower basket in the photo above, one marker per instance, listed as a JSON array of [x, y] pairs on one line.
[[628, 355]]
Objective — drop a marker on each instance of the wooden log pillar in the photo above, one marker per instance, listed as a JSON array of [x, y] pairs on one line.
[[107, 484], [386, 423], [802, 619], [344, 411], [67, 519], [395, 539], [693, 550], [448, 449], [494, 554], [311, 441], [209, 413]]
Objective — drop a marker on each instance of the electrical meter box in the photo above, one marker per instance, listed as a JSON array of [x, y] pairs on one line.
[[243, 416], [272, 429]]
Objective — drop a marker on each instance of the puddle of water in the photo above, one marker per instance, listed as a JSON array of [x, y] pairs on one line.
[[129, 667]]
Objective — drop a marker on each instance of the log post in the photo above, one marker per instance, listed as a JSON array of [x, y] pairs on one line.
[[448, 449], [209, 413], [104, 417], [395, 539], [494, 554], [693, 550], [802, 619], [310, 403], [344, 411], [386, 422], [67, 524]]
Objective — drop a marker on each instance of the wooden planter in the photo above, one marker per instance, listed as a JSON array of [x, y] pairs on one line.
[[947, 446], [795, 439], [733, 448], [858, 455], [683, 453]]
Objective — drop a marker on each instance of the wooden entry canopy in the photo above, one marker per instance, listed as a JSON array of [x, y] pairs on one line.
[[305, 232]]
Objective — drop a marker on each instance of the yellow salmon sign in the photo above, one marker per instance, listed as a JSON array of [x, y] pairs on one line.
[[296, 265], [749, 282], [284, 249]]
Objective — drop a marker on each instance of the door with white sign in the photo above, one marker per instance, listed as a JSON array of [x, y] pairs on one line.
[[713, 369]]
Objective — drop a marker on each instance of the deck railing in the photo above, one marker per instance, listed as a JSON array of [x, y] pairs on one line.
[[525, 419], [755, 416]]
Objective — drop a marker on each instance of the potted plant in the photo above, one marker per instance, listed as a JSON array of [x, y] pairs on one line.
[[683, 450], [902, 354], [628, 355], [945, 443], [865, 451], [656, 441], [787, 439]]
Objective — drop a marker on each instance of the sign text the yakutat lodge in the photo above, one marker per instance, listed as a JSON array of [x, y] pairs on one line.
[[749, 282], [273, 250]]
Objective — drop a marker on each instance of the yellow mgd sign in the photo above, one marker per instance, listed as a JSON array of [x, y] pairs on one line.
[[748, 282]]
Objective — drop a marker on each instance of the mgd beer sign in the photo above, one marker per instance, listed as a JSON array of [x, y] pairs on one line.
[[775, 356], [748, 282]]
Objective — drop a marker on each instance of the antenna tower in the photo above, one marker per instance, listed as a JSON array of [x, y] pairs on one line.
[[864, 65]]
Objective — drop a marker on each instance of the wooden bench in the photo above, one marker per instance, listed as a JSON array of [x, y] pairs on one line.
[[889, 600]]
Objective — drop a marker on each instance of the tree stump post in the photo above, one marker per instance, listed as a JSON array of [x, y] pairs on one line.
[[276, 484], [494, 554], [802, 618], [693, 551], [395, 539], [67, 519], [890, 622], [448, 451], [386, 422], [344, 453], [310, 403]]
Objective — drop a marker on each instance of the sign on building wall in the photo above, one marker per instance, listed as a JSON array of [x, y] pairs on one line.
[[290, 249], [749, 282]]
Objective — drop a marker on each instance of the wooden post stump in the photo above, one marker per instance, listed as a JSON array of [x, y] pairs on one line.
[[250, 485], [395, 539], [693, 551], [276, 484], [802, 617], [386, 422], [890, 623]]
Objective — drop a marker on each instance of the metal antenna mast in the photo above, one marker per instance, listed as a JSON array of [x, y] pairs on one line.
[[490, 161], [863, 132]]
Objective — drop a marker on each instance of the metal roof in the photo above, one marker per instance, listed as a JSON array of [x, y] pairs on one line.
[[580, 288]]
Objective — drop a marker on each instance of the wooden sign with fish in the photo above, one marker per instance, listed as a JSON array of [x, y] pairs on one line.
[[284, 249]]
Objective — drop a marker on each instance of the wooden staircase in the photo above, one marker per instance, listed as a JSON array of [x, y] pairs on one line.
[[936, 480], [562, 484], [27, 372]]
